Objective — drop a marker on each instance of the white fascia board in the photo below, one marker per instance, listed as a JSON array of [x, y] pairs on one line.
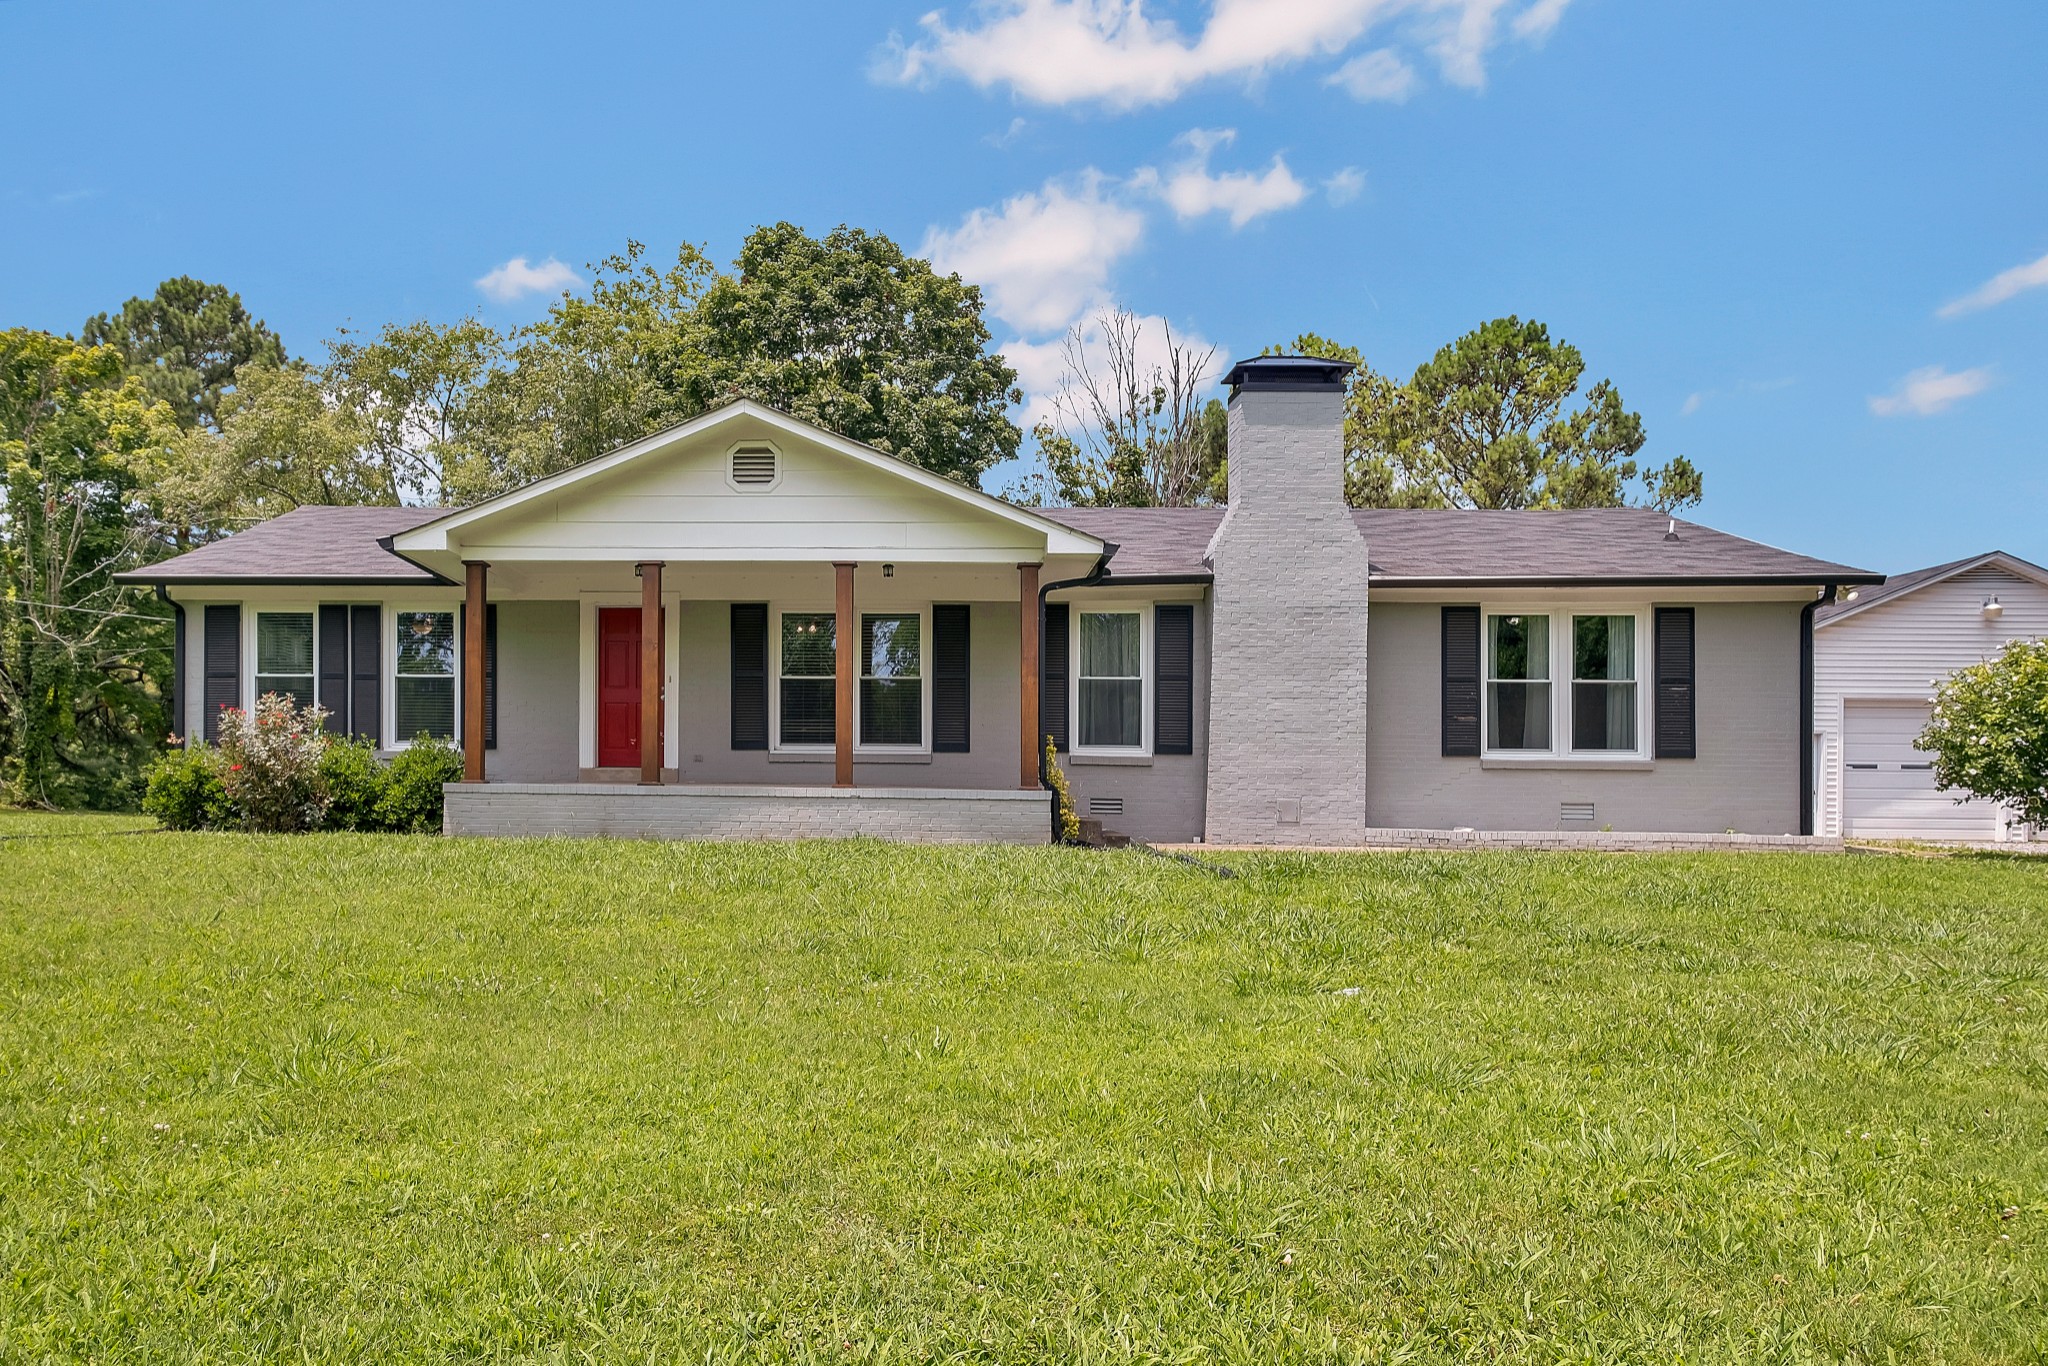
[[1996, 559], [434, 536]]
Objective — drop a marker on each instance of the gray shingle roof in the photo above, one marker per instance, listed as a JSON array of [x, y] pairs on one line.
[[308, 544], [1422, 546], [1431, 545]]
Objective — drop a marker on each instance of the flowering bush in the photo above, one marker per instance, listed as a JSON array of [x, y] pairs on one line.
[[272, 763], [185, 790]]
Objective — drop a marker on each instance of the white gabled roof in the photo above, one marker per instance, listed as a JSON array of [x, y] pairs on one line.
[[1903, 585], [1060, 540]]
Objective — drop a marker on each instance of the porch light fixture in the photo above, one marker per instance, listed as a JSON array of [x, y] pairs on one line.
[[888, 571], [1993, 609]]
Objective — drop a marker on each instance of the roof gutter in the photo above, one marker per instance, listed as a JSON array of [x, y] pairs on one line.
[[177, 697], [1806, 812], [1833, 579]]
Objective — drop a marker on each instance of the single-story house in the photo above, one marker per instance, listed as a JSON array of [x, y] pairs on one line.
[[747, 625], [1877, 653]]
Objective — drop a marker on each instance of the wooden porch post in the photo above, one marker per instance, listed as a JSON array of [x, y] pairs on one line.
[[1027, 676], [846, 636], [473, 613], [650, 673]]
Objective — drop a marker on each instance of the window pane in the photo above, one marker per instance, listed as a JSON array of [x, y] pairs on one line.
[[1109, 645], [297, 687], [809, 713], [1604, 648], [1604, 716], [808, 641], [1112, 712], [889, 647], [284, 643], [1518, 716], [426, 706], [1519, 647], [891, 711], [426, 647]]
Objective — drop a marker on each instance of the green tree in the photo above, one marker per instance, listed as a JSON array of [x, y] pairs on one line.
[[414, 395], [82, 659], [283, 443], [1989, 730], [589, 377], [1129, 429], [187, 342], [1488, 422], [850, 333]]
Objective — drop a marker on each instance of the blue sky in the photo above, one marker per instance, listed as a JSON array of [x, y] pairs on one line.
[[1808, 242]]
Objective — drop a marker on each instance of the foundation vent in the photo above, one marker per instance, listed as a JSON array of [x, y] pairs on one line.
[[1105, 806], [1579, 812], [754, 466]]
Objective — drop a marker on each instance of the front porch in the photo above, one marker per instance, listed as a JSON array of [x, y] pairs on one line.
[[914, 815]]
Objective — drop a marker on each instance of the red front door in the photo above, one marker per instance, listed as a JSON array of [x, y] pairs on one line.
[[618, 687]]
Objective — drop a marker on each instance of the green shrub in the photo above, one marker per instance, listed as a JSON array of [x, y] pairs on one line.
[[1070, 820], [185, 790], [355, 785], [411, 803]]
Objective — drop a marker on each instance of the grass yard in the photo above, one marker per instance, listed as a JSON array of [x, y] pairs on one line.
[[376, 1098]]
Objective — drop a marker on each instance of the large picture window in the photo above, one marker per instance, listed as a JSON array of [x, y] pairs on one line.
[[1604, 683], [891, 679], [1518, 682], [1112, 681], [284, 655], [423, 684], [805, 701]]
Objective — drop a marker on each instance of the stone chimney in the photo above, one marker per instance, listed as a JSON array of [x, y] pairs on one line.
[[1287, 649]]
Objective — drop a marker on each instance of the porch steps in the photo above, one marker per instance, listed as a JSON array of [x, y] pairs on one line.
[[1095, 837]]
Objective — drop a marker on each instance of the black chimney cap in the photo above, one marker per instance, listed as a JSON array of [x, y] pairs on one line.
[[1288, 375]]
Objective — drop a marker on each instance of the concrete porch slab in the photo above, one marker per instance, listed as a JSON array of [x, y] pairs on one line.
[[911, 815]]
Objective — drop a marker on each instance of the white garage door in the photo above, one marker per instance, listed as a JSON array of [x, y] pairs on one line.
[[1889, 785]]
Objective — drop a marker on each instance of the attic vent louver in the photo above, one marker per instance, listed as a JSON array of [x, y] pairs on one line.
[[753, 466]]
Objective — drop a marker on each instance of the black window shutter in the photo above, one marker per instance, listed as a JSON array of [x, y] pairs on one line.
[[1173, 689], [951, 627], [1677, 730], [750, 675], [333, 682], [490, 675], [1052, 676], [1461, 683], [365, 693], [223, 665]]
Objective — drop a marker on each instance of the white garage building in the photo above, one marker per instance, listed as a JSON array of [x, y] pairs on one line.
[[1875, 656]]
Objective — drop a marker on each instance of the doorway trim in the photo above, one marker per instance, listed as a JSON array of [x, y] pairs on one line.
[[586, 673]]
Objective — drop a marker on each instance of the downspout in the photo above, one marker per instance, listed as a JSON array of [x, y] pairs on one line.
[[177, 658], [1096, 575], [1806, 811]]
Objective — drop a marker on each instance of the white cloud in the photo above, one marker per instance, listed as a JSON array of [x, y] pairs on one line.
[[1192, 191], [1345, 186], [1692, 404], [2000, 287], [516, 279], [1043, 257], [1113, 52], [1378, 75], [1930, 390], [1001, 140]]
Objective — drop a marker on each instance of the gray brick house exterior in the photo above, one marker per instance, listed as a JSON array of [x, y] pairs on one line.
[[1282, 670]]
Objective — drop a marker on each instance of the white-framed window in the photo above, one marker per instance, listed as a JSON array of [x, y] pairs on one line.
[[1604, 702], [284, 656], [1111, 697], [1565, 681], [806, 703], [892, 680], [423, 672]]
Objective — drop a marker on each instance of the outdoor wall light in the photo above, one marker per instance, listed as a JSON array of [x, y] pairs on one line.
[[1993, 609], [888, 571]]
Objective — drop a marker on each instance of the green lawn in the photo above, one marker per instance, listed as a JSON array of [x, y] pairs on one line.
[[378, 1098]]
